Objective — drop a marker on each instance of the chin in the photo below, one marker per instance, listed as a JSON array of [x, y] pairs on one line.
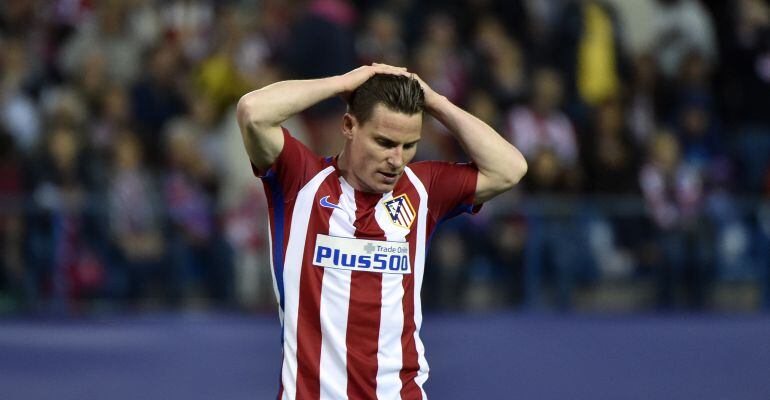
[[382, 187]]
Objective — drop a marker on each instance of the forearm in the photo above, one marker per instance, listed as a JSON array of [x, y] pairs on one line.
[[494, 157], [261, 112], [275, 103]]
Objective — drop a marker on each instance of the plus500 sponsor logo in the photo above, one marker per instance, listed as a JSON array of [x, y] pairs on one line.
[[361, 255]]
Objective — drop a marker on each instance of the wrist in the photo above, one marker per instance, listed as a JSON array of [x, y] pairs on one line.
[[434, 102], [338, 84]]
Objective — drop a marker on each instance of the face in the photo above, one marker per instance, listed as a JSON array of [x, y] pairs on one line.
[[377, 151]]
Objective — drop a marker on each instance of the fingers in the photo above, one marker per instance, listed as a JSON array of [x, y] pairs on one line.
[[387, 66], [389, 69]]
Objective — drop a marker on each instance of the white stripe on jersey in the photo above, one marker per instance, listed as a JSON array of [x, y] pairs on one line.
[[335, 299], [300, 219], [389, 351], [418, 271], [272, 269]]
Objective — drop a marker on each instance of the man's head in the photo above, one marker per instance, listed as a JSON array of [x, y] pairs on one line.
[[382, 128]]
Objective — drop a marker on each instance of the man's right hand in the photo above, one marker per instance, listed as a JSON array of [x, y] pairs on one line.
[[355, 78]]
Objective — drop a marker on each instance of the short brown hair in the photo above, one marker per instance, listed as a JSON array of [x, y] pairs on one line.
[[396, 92]]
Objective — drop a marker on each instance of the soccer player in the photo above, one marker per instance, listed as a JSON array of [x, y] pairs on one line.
[[348, 233]]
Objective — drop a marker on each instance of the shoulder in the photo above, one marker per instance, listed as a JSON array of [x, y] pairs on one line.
[[424, 169], [295, 153], [444, 173]]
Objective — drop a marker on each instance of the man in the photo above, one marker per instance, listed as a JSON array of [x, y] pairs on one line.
[[349, 232]]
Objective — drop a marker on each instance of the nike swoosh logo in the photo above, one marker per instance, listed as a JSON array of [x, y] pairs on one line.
[[325, 203]]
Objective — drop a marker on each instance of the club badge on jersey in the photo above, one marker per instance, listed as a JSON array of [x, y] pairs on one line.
[[400, 211], [361, 255]]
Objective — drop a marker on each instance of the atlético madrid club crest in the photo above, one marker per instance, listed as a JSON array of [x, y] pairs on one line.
[[400, 211]]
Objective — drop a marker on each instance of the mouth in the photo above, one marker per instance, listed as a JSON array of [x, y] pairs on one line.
[[388, 177]]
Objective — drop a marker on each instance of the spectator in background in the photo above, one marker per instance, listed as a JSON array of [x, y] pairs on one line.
[[322, 42], [106, 38], [66, 250], [200, 260], [219, 77], [483, 106], [699, 135], [109, 118], [611, 163], [381, 40], [19, 114], [746, 89], [544, 134], [610, 157], [439, 59], [648, 99], [531, 23], [673, 192], [135, 220], [449, 258], [507, 239], [500, 64], [590, 57], [201, 122], [191, 24], [694, 76], [682, 27], [92, 79], [12, 226], [112, 115], [746, 78], [156, 98]]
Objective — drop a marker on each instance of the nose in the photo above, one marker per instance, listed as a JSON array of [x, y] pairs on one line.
[[396, 157]]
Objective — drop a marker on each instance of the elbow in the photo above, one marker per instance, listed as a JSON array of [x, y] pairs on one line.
[[245, 110], [521, 169], [250, 112], [515, 172]]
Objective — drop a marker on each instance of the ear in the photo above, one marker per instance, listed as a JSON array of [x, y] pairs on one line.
[[349, 125]]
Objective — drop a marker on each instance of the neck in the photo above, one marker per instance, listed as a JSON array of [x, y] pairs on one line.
[[343, 168]]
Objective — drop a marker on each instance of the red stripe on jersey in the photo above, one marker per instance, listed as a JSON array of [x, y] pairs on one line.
[[410, 364], [364, 309], [309, 315]]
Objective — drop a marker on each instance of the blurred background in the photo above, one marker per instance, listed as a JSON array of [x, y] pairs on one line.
[[126, 194]]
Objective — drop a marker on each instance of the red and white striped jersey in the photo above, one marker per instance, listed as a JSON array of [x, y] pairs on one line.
[[347, 270]]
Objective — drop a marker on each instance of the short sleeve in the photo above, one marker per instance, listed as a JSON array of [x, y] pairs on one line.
[[294, 167], [451, 187]]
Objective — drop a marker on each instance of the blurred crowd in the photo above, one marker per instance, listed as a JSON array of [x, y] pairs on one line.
[[646, 125]]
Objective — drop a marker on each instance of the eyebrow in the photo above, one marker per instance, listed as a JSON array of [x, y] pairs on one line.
[[388, 140]]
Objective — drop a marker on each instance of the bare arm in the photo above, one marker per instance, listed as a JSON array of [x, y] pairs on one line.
[[500, 164], [261, 112]]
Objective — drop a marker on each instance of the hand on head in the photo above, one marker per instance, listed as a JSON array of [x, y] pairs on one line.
[[355, 78]]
